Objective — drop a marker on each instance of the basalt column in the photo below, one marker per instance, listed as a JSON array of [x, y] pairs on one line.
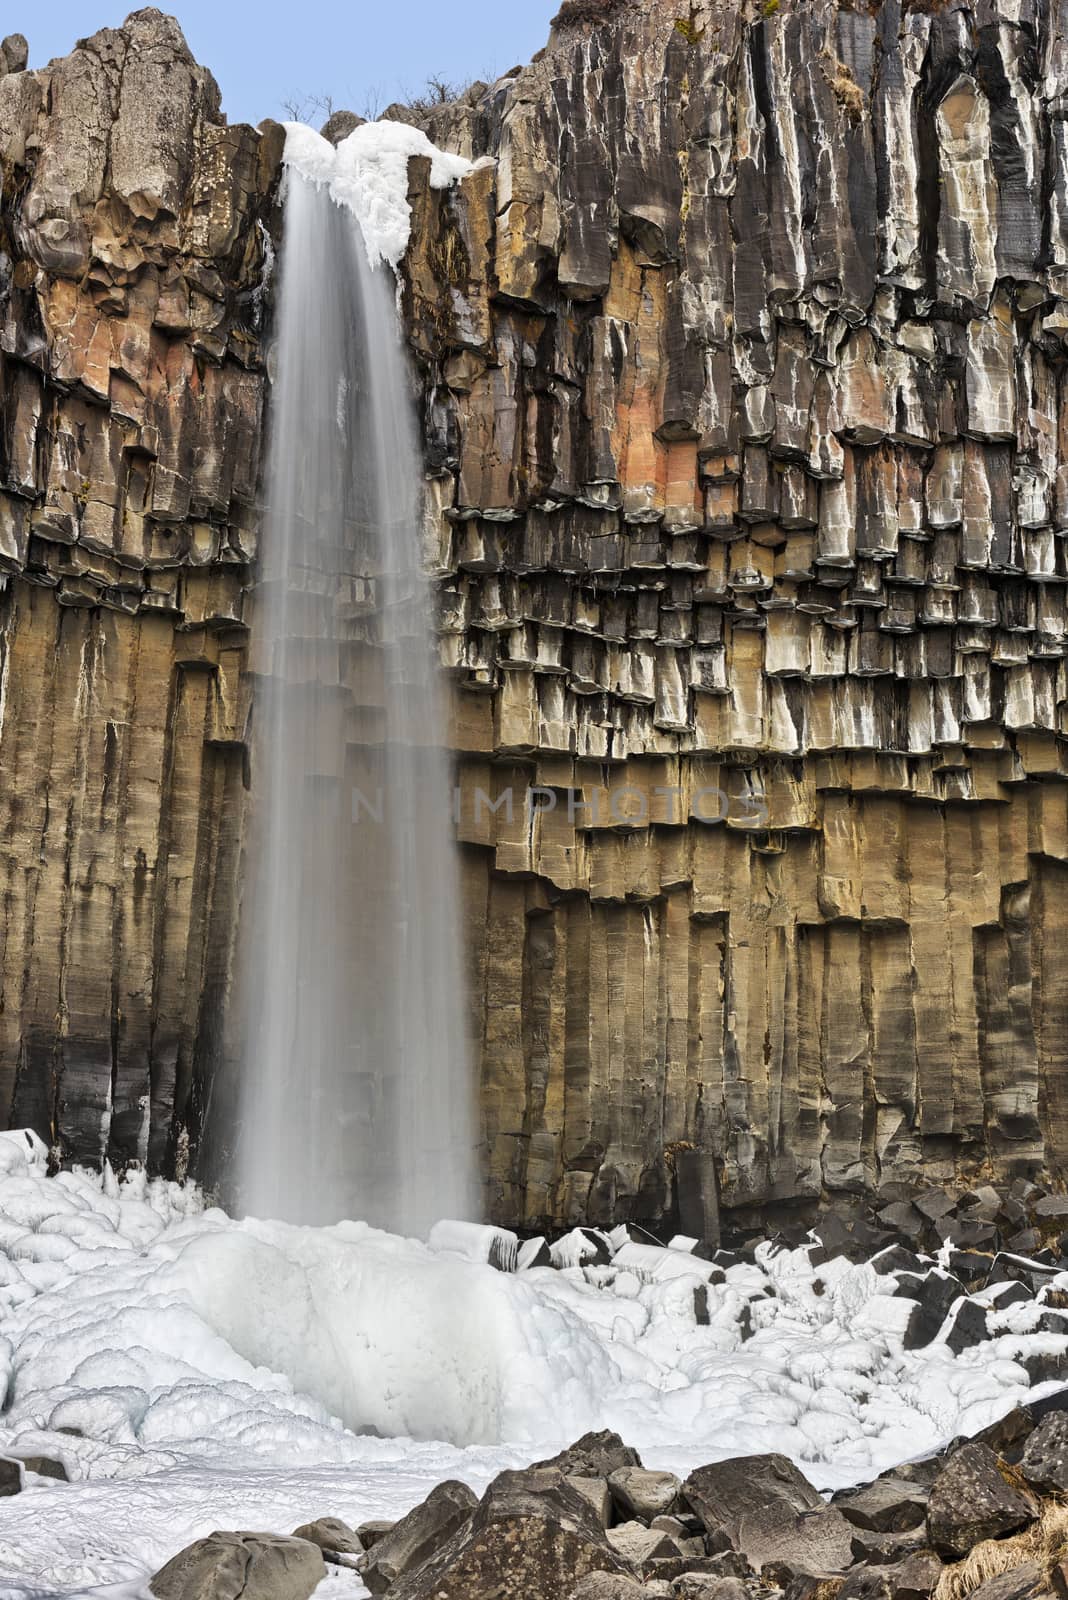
[[132, 266], [745, 403]]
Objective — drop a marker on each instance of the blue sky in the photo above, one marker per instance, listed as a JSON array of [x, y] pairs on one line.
[[364, 53]]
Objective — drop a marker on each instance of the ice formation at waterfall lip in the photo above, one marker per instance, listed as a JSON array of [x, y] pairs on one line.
[[368, 171], [209, 1368]]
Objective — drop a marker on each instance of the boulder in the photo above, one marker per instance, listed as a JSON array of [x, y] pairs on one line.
[[867, 1583], [241, 1566], [916, 1578], [1044, 1461], [14, 54], [889, 1505], [10, 1477], [339, 124], [608, 1586], [334, 1537], [768, 1511], [935, 1292], [638, 1545], [706, 1586], [372, 1532], [968, 1328], [595, 1455], [46, 1467], [904, 1219], [814, 1586], [416, 1537], [1017, 1584], [532, 1537], [596, 1491], [975, 1498], [640, 1493]]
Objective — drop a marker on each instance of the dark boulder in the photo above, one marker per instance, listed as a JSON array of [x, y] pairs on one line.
[[1017, 1584], [595, 1455], [769, 1512], [1045, 1458], [934, 1293], [974, 1498], [340, 124], [532, 1537], [968, 1328], [639, 1493], [419, 1535], [916, 1578], [889, 1505]]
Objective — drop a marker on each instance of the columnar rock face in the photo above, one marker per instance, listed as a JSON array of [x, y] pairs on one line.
[[131, 273], [744, 364], [742, 355]]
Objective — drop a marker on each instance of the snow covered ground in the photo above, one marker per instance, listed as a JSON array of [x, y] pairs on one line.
[[216, 1373]]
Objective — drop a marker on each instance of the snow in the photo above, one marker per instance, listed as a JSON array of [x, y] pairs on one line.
[[368, 172], [222, 1373]]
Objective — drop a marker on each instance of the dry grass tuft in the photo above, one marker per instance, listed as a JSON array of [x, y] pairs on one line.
[[1044, 1543]]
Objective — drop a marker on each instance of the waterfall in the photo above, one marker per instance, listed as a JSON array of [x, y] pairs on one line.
[[357, 1092]]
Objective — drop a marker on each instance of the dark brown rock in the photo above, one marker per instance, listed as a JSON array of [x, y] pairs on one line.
[[1019, 1583], [1044, 1461], [975, 1498], [769, 1512], [595, 1455], [46, 1467], [417, 1537], [888, 1505], [531, 1538]]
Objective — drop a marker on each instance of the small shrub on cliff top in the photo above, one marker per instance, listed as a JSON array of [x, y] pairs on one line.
[[573, 12]]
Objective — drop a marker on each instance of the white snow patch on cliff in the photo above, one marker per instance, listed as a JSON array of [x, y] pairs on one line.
[[368, 172]]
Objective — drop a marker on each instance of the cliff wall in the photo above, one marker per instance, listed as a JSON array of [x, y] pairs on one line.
[[742, 354], [131, 396], [745, 374]]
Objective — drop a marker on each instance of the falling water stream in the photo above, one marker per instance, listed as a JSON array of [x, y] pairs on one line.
[[357, 1090]]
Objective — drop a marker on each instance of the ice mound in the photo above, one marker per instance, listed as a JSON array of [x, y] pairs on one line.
[[186, 1348]]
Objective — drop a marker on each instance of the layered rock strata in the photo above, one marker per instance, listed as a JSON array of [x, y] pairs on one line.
[[742, 356]]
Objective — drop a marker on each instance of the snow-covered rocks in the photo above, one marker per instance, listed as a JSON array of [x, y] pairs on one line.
[[194, 1351]]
